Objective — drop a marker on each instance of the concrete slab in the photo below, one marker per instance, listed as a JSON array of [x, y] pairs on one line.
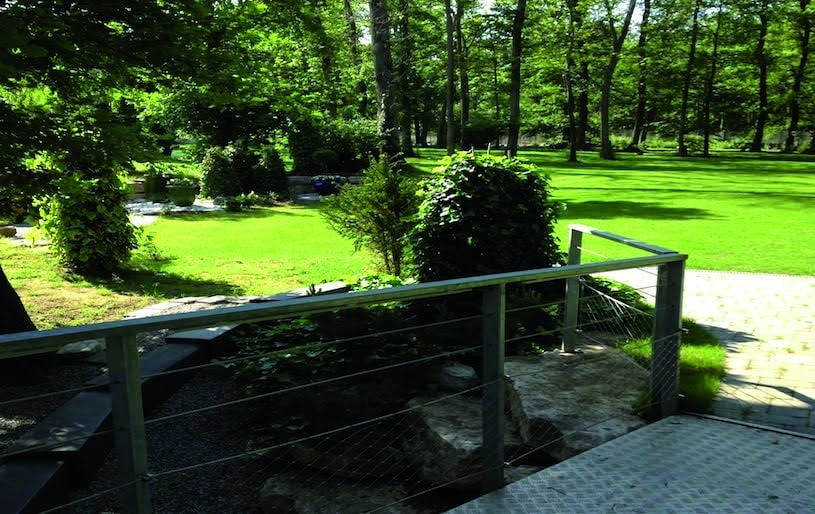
[[680, 464]]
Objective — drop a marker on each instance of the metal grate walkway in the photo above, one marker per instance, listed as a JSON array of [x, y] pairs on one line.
[[682, 464]]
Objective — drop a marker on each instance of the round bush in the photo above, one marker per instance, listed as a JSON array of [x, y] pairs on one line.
[[485, 215], [88, 225]]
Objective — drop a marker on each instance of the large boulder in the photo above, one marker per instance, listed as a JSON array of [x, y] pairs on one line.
[[569, 403], [446, 440]]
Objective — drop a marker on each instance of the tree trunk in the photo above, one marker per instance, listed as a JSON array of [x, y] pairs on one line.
[[570, 100], [383, 68], [570, 104], [761, 58], [682, 149], [617, 40], [353, 46], [711, 77], [795, 93], [451, 79], [14, 318], [642, 90], [514, 128], [30, 369], [403, 68], [463, 75], [582, 124]]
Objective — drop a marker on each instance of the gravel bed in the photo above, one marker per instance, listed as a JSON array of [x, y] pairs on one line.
[[227, 487], [61, 374]]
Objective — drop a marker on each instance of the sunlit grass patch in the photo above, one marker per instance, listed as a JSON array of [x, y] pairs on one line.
[[701, 365]]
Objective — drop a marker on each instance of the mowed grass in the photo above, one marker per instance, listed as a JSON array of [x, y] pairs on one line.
[[701, 365], [732, 212], [262, 252], [54, 299]]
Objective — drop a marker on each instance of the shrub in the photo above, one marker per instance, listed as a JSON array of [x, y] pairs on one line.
[[232, 171], [325, 161], [273, 178], [332, 147], [353, 142], [218, 176], [378, 214], [484, 215], [304, 138], [88, 225], [479, 132]]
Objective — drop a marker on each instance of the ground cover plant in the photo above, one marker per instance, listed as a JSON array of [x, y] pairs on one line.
[[731, 212]]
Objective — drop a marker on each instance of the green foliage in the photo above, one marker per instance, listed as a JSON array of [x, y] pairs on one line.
[[701, 365], [88, 225], [236, 170], [484, 215], [311, 348], [271, 175], [335, 147], [218, 176], [481, 131], [325, 161], [155, 183], [247, 201], [378, 214]]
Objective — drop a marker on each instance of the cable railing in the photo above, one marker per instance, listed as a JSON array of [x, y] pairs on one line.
[[582, 315]]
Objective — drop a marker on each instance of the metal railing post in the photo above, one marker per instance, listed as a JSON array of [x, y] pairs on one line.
[[570, 318], [128, 421], [667, 327], [493, 312]]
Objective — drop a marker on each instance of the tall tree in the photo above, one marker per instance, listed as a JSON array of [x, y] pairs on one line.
[[804, 24], [450, 97], [762, 63], [570, 77], [356, 61], [463, 72], [710, 82], [641, 116], [682, 149], [404, 72], [617, 38], [383, 67], [514, 127]]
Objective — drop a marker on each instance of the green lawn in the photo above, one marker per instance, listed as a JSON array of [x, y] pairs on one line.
[[264, 251], [737, 211], [733, 212]]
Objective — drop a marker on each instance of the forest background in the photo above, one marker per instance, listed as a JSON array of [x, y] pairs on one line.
[[88, 90]]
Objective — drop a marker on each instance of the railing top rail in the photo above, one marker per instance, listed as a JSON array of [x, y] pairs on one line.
[[658, 250], [28, 343]]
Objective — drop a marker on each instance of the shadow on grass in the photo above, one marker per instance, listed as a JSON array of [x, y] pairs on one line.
[[163, 286], [598, 209]]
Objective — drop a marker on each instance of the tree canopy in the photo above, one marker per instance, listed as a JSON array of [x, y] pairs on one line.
[[92, 86]]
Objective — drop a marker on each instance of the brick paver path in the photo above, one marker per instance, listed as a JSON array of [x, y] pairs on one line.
[[767, 324]]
